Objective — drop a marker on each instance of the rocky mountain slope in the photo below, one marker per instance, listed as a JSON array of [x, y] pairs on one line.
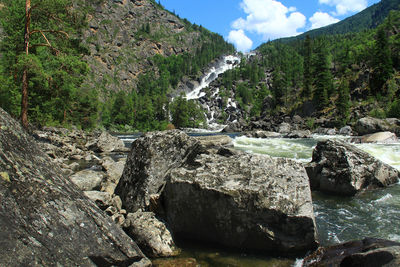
[[124, 35]]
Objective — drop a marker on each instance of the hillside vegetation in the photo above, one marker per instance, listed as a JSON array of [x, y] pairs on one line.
[[334, 78], [114, 63], [369, 18]]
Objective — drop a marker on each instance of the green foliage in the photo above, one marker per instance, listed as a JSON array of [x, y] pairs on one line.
[[323, 76], [367, 19], [54, 64], [381, 62], [394, 109], [186, 113], [343, 102], [307, 73]]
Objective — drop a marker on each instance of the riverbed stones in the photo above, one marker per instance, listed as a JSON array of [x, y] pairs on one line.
[[152, 235], [242, 201], [150, 159], [87, 180], [366, 252], [343, 169], [45, 219], [106, 143]]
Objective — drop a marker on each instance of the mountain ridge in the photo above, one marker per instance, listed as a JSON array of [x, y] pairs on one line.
[[368, 18]]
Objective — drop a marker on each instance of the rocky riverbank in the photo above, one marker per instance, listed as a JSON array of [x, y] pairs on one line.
[[173, 187]]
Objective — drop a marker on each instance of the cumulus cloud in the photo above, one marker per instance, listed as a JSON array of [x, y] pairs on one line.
[[321, 19], [269, 18], [346, 6], [240, 40]]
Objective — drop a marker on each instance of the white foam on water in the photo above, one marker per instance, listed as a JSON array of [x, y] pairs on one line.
[[385, 198]]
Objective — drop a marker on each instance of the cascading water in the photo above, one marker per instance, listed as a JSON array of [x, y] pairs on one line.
[[224, 64]]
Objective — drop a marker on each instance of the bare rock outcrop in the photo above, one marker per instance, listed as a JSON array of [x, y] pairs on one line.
[[45, 219]]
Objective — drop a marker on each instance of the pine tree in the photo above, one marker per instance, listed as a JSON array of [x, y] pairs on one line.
[[382, 62], [343, 102], [44, 56], [307, 79], [323, 77]]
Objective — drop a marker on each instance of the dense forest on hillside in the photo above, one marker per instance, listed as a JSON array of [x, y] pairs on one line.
[[333, 76], [54, 63]]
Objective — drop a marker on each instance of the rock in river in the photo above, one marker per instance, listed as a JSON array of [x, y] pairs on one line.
[[45, 220], [367, 252], [244, 201], [341, 168], [219, 195]]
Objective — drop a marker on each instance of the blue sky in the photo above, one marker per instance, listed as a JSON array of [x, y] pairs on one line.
[[249, 23]]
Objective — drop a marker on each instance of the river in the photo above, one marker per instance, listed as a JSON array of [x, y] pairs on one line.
[[370, 214]]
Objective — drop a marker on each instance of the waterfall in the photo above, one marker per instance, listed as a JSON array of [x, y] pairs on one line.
[[221, 66], [224, 64]]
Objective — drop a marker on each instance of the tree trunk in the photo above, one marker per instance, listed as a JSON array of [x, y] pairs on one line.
[[25, 79]]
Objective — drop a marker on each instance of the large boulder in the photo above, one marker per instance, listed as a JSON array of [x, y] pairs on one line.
[[369, 125], [150, 159], [341, 168], [45, 219], [242, 201], [366, 252]]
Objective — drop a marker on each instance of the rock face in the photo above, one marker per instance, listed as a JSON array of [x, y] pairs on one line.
[[45, 219], [150, 159], [243, 201], [366, 252], [340, 168]]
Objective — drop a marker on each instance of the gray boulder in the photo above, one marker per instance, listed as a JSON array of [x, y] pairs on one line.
[[369, 125], [45, 219], [106, 143], [243, 201], [114, 170], [381, 137], [346, 130], [87, 180], [150, 159], [341, 168], [366, 252], [151, 235]]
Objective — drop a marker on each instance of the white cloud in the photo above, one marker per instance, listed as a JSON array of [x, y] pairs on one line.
[[321, 19], [269, 18], [240, 40], [346, 6]]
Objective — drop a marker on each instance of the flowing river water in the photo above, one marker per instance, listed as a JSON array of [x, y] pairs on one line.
[[370, 214]]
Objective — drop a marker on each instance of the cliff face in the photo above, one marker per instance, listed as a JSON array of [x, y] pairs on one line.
[[124, 34]]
